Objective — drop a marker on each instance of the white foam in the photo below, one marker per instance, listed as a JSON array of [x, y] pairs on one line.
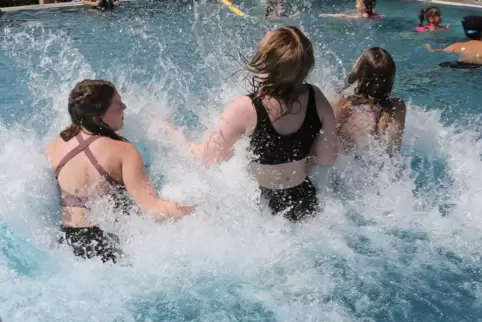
[[294, 271]]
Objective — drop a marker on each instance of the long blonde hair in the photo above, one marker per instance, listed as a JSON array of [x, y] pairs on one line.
[[281, 64]]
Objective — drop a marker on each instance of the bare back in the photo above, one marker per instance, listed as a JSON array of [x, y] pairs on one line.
[[470, 51], [79, 177], [359, 126]]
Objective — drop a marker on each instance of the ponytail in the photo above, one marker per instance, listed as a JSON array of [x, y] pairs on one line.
[[70, 132]]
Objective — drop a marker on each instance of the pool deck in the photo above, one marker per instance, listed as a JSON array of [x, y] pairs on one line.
[[48, 6], [460, 3]]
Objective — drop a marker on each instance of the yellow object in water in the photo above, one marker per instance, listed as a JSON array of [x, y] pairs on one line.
[[233, 8]]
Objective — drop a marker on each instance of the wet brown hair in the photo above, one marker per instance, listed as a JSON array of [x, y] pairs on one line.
[[473, 27], [281, 65], [366, 6], [429, 12], [369, 6], [373, 77], [88, 102]]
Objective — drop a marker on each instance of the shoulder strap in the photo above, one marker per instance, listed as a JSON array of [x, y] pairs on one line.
[[100, 169], [83, 144], [311, 99], [261, 113], [312, 110]]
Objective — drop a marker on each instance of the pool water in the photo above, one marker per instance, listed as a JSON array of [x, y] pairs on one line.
[[400, 243]]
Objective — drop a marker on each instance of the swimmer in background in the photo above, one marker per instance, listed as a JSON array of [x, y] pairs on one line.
[[102, 4], [470, 51], [433, 15], [365, 10], [370, 114], [276, 8]]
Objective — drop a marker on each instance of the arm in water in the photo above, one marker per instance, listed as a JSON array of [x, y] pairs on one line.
[[450, 49], [143, 192], [341, 15], [325, 148]]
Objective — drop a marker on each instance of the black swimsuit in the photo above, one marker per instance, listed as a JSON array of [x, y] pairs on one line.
[[269, 147], [460, 65]]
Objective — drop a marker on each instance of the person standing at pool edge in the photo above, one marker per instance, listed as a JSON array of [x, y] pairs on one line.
[[91, 160], [290, 124]]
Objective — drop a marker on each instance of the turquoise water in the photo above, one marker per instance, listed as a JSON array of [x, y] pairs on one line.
[[402, 246]]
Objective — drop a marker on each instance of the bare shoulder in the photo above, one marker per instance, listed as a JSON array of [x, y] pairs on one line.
[[240, 111], [52, 145], [242, 104], [121, 147]]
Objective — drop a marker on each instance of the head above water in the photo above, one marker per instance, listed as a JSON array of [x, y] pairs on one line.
[[369, 7], [473, 27], [95, 107], [433, 15], [282, 63], [373, 77]]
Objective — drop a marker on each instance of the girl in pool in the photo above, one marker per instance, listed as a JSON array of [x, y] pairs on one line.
[[370, 114], [470, 51], [91, 160], [365, 10], [288, 122], [433, 15]]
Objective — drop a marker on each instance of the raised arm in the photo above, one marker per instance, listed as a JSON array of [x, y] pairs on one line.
[[232, 125], [143, 192], [325, 148]]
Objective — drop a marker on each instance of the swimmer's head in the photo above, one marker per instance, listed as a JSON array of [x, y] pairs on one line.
[[373, 75], [282, 62], [369, 7], [96, 107], [473, 27], [433, 15]]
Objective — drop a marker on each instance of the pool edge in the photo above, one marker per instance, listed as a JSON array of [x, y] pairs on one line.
[[470, 4], [47, 6]]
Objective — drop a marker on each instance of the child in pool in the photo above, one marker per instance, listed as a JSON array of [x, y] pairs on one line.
[[102, 4], [365, 10], [470, 51], [433, 15]]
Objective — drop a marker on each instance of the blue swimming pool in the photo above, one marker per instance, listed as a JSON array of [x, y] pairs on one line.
[[403, 245]]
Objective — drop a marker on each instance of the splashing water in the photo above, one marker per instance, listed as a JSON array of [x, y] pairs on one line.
[[402, 244]]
